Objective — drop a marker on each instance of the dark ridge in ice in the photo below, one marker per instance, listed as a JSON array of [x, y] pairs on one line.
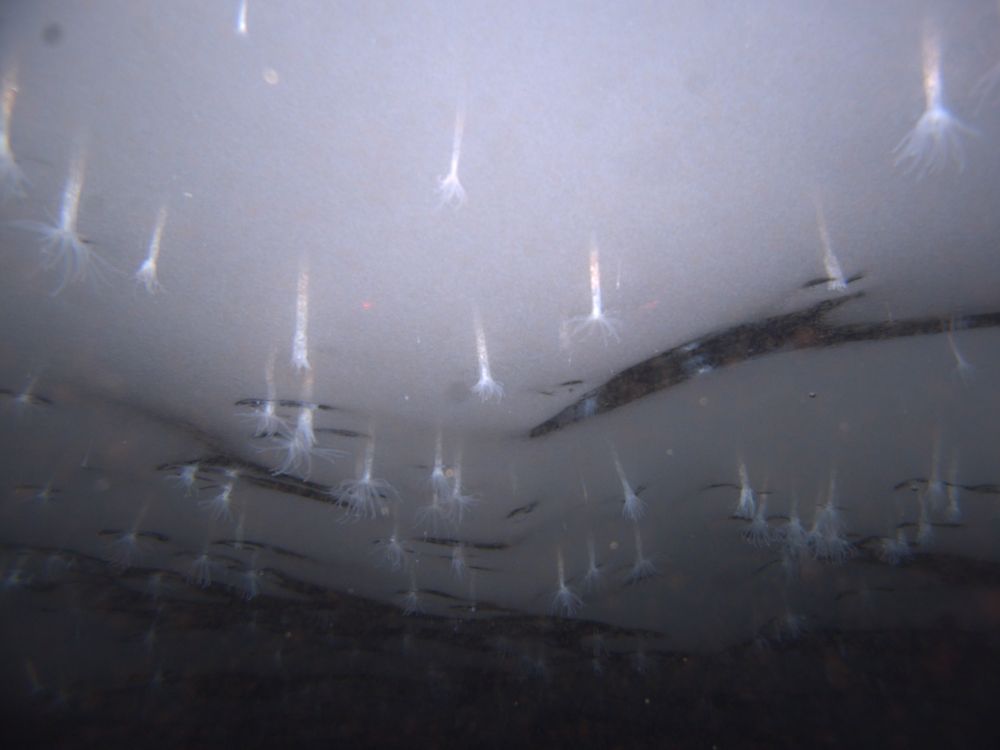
[[804, 329]]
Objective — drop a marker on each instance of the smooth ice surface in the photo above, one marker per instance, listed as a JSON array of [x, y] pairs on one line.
[[689, 140]]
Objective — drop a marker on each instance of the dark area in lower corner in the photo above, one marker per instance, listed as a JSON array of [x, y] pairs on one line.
[[887, 689]]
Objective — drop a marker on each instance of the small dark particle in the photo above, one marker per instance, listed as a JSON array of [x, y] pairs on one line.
[[916, 483], [290, 485], [440, 594], [292, 403], [445, 542], [815, 282], [52, 33], [286, 402], [812, 394], [440, 541], [261, 476], [570, 385], [490, 546], [730, 485], [173, 466], [255, 402], [486, 608], [990, 489], [523, 510], [285, 552], [341, 432], [154, 535]]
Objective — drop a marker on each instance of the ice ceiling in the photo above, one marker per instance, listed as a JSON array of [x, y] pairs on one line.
[[677, 321]]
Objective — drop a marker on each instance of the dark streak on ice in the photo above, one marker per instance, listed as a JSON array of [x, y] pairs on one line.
[[804, 329]]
